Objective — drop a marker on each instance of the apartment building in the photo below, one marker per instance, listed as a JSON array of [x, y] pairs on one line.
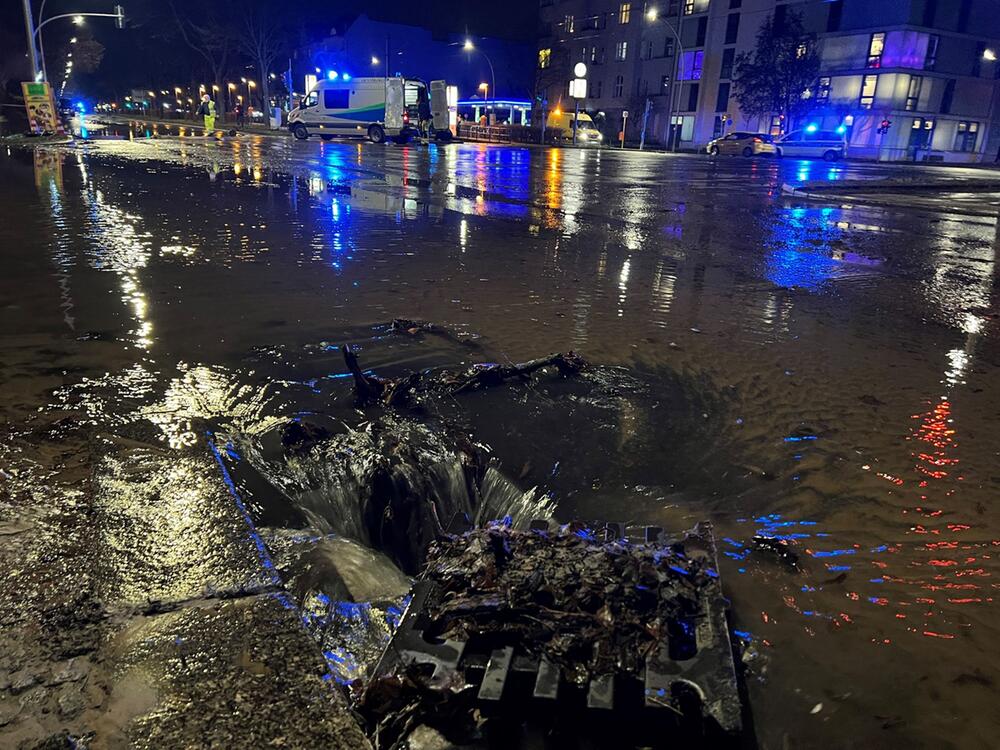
[[927, 67]]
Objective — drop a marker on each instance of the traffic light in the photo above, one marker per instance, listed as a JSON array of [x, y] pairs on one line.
[[884, 127]]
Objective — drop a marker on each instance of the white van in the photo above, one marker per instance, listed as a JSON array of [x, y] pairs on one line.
[[813, 143], [378, 108]]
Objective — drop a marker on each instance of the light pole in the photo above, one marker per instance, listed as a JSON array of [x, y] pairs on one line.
[[33, 31], [990, 55], [470, 47], [578, 90], [250, 84], [485, 88], [652, 15]]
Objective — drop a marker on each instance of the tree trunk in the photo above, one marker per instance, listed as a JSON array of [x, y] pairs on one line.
[[265, 94]]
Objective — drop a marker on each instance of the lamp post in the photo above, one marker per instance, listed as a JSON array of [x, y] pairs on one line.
[[485, 88], [990, 55], [578, 90], [652, 16], [36, 31], [470, 47]]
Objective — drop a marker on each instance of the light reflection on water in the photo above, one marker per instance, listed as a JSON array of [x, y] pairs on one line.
[[885, 363]]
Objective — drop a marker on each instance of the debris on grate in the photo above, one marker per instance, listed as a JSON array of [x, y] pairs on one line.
[[578, 628]]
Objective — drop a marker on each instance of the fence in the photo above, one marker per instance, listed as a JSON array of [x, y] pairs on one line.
[[508, 133]]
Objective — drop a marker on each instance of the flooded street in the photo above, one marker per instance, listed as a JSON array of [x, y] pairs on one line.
[[821, 373]]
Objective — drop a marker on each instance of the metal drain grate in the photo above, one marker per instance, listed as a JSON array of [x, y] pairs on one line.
[[689, 682]]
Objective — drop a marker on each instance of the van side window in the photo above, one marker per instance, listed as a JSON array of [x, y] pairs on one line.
[[311, 100], [336, 98]]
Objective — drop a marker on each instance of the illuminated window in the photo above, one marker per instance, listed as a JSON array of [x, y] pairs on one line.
[[875, 48], [913, 93], [868, 86], [619, 86], [966, 136], [621, 51], [688, 7], [691, 64], [544, 58], [823, 87], [624, 12], [593, 54], [568, 24], [930, 60], [802, 50]]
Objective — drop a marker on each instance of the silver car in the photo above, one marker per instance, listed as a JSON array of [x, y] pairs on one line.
[[812, 143]]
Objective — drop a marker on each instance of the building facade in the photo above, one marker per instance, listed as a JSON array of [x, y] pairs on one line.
[[366, 47], [927, 67]]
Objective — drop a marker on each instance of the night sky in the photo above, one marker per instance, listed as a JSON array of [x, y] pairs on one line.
[[141, 54]]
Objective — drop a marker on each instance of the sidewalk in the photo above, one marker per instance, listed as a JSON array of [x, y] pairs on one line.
[[190, 123]]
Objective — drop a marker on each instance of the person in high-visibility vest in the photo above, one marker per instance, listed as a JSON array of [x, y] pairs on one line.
[[207, 110]]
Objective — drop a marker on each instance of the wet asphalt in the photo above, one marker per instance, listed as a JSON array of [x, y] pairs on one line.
[[823, 372]]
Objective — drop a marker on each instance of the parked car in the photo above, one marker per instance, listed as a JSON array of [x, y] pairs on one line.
[[739, 142], [817, 144]]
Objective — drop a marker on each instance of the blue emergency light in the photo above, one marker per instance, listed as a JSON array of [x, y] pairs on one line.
[[332, 75], [811, 128]]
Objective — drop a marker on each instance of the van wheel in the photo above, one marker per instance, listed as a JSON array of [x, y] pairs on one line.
[[830, 156], [747, 151], [376, 134], [300, 131], [714, 151]]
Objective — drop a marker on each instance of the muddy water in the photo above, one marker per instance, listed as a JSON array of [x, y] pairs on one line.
[[825, 374]]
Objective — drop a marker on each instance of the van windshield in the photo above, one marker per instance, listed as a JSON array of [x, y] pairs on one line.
[[585, 124]]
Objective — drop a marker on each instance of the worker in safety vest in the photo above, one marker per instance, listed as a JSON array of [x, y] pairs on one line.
[[207, 110]]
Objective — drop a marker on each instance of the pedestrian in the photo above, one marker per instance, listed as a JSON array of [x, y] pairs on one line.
[[239, 115], [207, 110]]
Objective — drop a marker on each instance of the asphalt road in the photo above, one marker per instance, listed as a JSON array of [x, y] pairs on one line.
[[819, 371]]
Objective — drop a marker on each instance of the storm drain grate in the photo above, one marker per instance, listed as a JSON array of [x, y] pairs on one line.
[[688, 684]]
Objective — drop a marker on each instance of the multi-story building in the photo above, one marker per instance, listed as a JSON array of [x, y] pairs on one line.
[[927, 67]]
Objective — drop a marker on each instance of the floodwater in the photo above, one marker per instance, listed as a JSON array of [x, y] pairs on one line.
[[821, 373]]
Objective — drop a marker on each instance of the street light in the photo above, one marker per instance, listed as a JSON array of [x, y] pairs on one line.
[[470, 47], [374, 60], [485, 88], [78, 20], [651, 16], [989, 55]]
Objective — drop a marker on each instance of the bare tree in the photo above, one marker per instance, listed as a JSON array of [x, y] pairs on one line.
[[208, 30], [264, 39]]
